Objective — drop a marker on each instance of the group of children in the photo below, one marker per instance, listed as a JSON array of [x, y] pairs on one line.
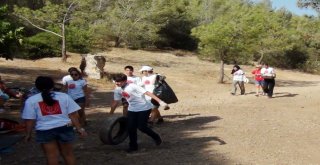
[[264, 77], [56, 116]]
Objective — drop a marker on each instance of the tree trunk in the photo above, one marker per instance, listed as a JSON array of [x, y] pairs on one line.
[[63, 46], [221, 77], [117, 42], [261, 57]]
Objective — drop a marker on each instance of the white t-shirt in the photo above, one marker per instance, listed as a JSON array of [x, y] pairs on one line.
[[75, 88], [134, 79], [268, 72], [238, 75], [48, 117], [65, 79], [148, 83], [134, 94]]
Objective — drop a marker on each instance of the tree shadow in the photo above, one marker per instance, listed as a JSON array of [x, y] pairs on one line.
[[183, 143], [291, 83]]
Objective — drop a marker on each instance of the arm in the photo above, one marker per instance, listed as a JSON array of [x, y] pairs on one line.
[[29, 126], [74, 119], [156, 98], [114, 105], [86, 94]]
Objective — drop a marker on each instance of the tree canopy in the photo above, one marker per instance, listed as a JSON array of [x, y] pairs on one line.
[[224, 31]]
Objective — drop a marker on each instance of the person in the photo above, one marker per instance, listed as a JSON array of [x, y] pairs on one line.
[[138, 110], [131, 78], [68, 77], [238, 79], [269, 75], [6, 93], [148, 82], [258, 80], [77, 89], [52, 114]]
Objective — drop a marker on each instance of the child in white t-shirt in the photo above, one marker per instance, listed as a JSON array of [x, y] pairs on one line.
[[52, 114], [138, 110]]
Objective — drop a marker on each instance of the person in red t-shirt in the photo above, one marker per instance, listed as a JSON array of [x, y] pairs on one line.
[[258, 80]]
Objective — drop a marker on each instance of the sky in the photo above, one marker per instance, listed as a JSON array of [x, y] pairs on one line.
[[291, 5]]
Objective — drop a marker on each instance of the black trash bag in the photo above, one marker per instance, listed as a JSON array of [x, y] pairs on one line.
[[164, 91]]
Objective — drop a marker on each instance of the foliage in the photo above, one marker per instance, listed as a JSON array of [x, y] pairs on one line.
[[39, 46], [10, 36]]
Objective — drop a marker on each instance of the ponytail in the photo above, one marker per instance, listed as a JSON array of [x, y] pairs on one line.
[[45, 84]]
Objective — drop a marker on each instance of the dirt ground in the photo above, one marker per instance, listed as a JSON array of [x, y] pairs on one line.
[[206, 126]]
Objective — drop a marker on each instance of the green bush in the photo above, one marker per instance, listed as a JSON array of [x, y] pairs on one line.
[[39, 46]]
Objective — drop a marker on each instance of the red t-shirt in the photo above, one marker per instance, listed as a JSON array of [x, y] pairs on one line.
[[257, 74]]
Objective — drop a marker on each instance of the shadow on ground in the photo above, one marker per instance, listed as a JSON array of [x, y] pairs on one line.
[[181, 145], [291, 83]]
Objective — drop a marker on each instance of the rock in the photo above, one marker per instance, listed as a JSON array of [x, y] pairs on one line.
[[93, 66]]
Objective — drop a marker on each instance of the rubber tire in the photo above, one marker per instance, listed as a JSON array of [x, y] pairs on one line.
[[106, 131]]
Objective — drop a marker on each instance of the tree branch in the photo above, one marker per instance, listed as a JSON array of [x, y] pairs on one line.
[[67, 13], [38, 27]]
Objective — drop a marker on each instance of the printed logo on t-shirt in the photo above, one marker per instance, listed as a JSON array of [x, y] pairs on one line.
[[125, 95], [71, 86], [50, 110], [147, 82], [129, 81]]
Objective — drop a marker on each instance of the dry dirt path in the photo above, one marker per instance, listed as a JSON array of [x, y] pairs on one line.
[[206, 126]]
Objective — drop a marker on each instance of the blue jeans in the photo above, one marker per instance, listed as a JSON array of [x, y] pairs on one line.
[[139, 120]]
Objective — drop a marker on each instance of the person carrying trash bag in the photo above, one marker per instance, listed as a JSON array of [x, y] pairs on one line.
[[138, 111]]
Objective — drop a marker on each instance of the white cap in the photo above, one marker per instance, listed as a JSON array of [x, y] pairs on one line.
[[146, 68]]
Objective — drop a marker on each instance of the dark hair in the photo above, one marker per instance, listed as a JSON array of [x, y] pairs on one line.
[[45, 85], [235, 66], [128, 67], [120, 77], [72, 69]]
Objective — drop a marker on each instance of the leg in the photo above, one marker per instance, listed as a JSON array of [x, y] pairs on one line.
[[265, 86], [67, 153], [51, 150], [143, 127], [82, 115], [132, 129], [155, 115], [270, 87], [234, 87], [242, 88]]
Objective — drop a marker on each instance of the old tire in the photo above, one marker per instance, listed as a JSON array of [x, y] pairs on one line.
[[114, 130]]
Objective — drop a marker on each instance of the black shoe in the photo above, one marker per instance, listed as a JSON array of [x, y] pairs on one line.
[[158, 141], [131, 150]]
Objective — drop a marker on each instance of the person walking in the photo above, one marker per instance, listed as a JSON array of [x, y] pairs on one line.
[[148, 82], [53, 114], [269, 75], [258, 80], [138, 110], [238, 79], [78, 90]]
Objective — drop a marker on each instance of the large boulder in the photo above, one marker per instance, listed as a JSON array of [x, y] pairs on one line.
[[93, 65]]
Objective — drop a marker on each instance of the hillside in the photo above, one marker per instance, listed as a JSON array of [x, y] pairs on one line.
[[206, 126]]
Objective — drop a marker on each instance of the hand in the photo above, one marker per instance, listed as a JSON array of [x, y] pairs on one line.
[[163, 104], [82, 132]]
